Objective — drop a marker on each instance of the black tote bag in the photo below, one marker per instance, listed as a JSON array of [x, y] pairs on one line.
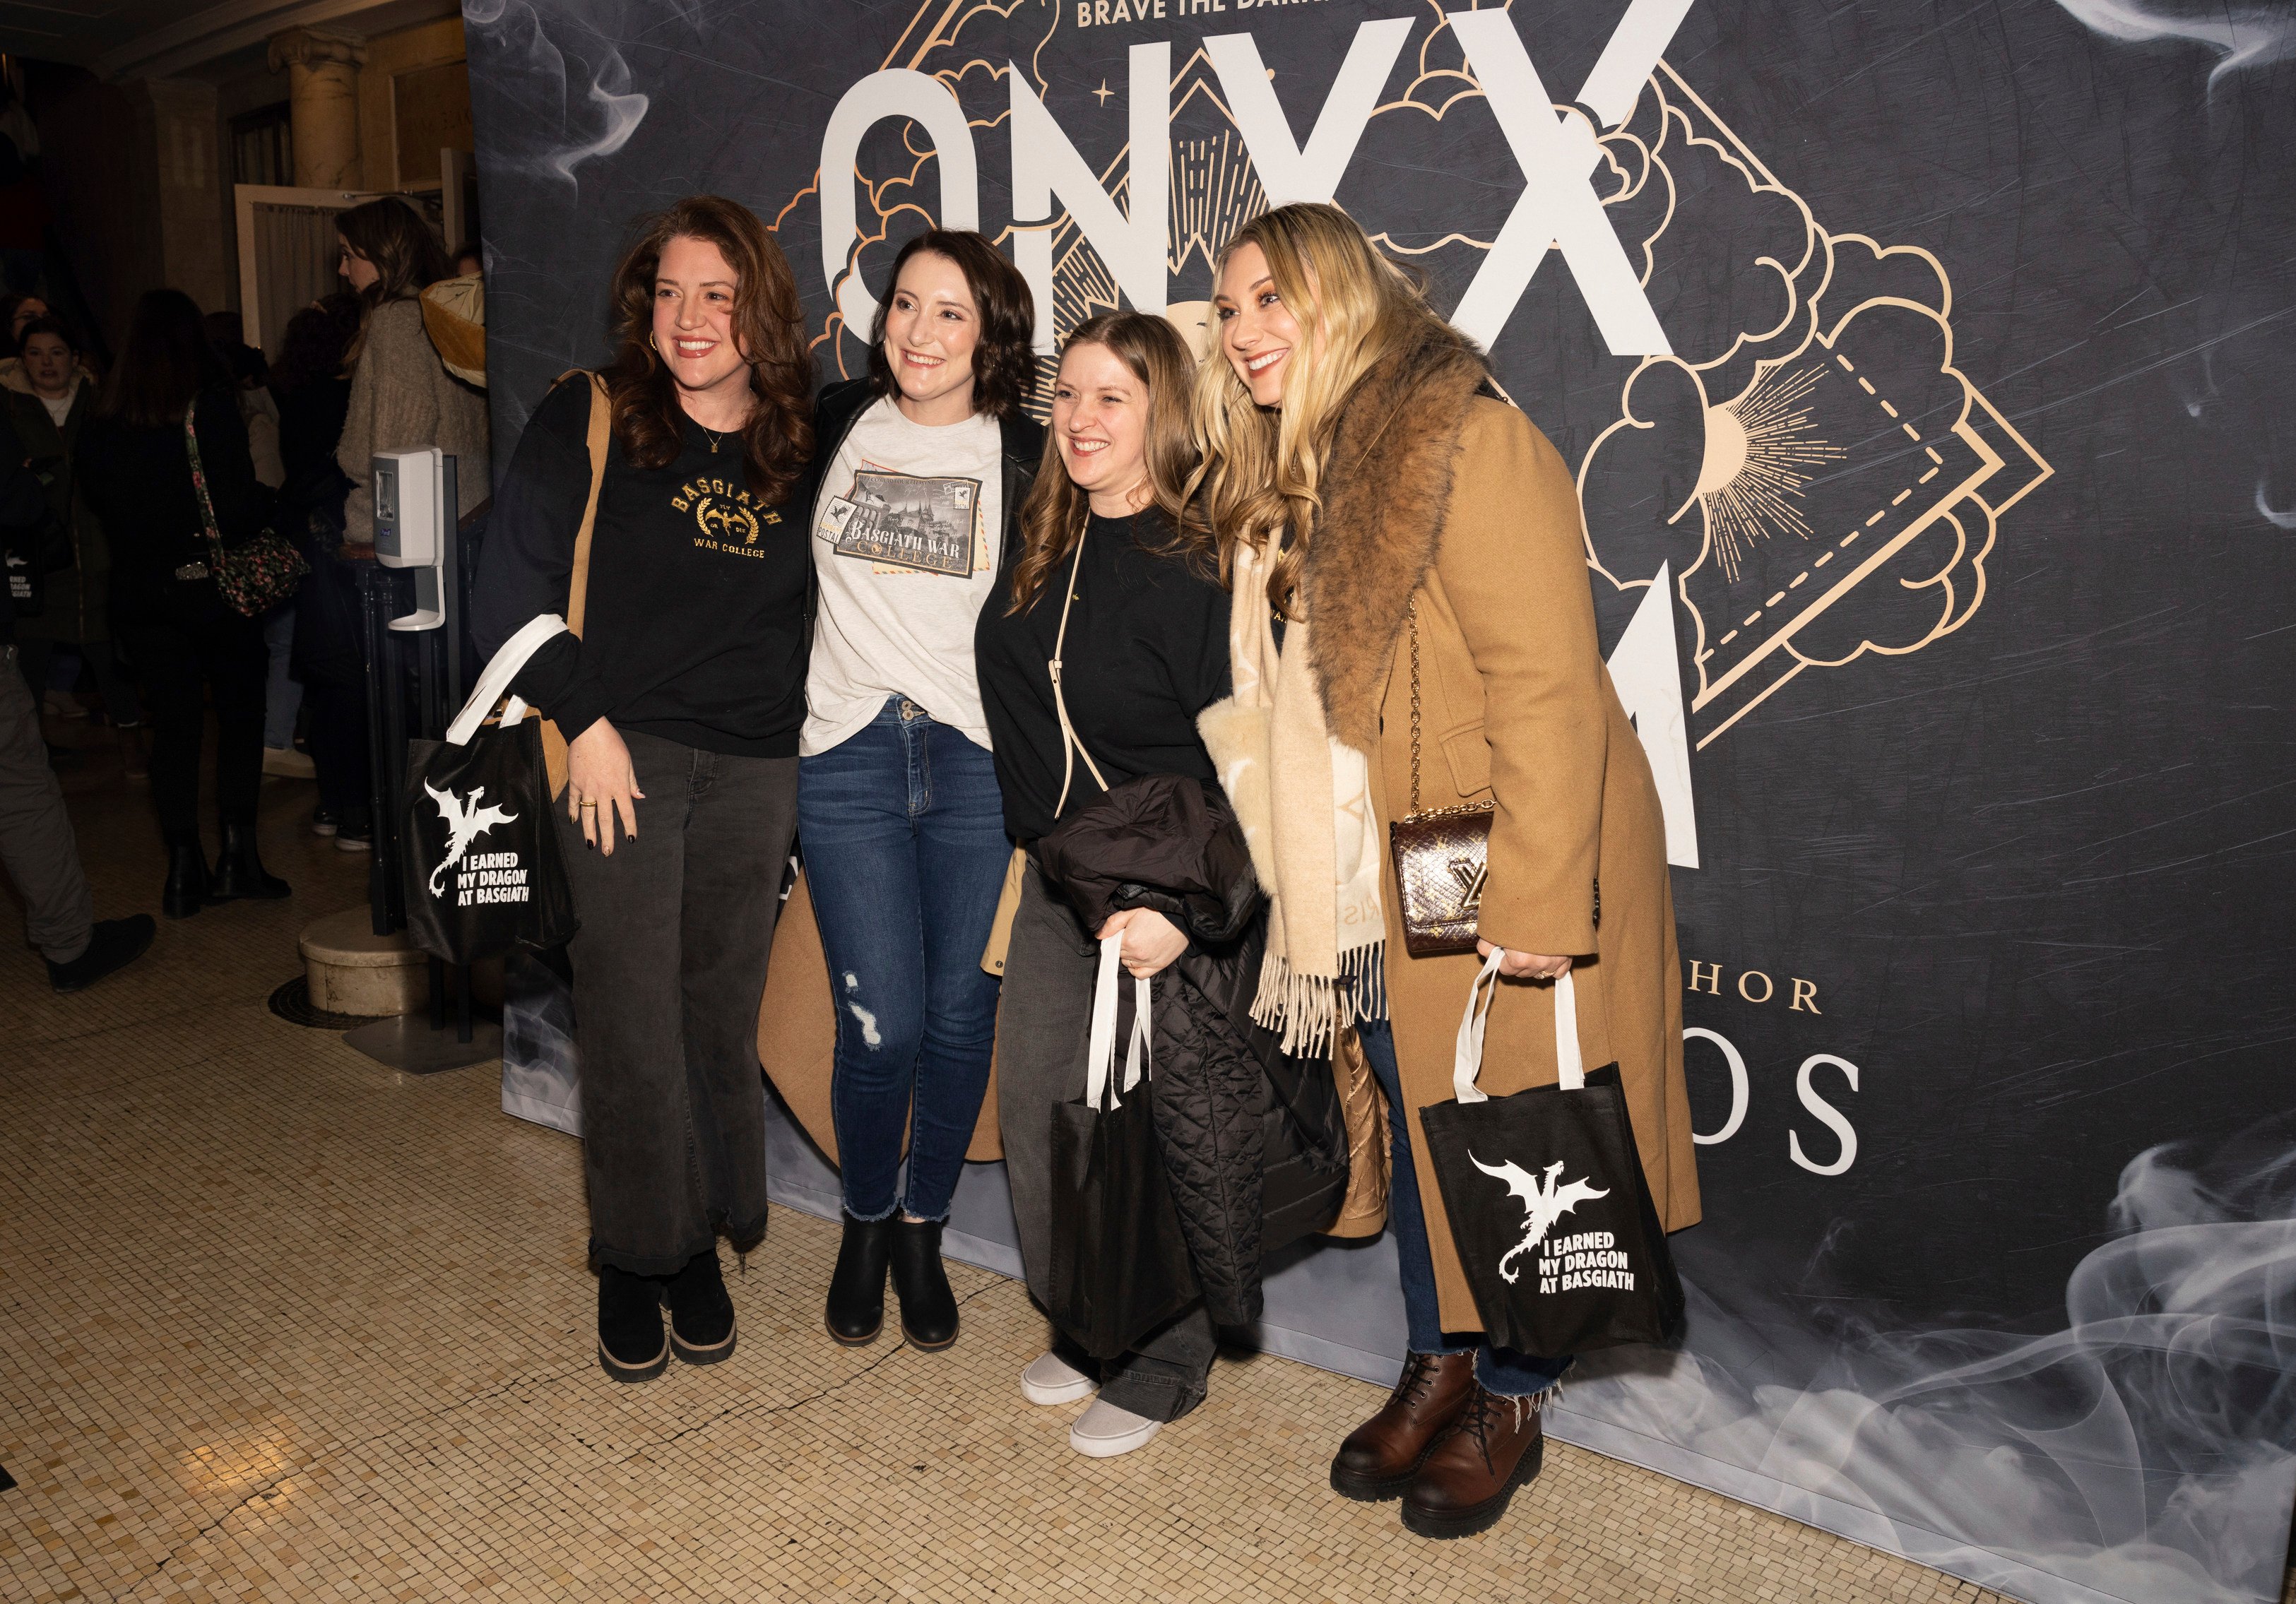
[[484, 869], [1550, 1214], [1120, 1262]]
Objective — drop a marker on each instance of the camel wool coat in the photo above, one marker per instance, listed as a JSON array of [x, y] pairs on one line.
[[1436, 494]]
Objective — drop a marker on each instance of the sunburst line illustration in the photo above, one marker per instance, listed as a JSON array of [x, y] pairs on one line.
[[1760, 456]]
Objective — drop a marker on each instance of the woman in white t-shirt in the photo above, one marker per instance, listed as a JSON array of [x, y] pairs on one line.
[[925, 465]]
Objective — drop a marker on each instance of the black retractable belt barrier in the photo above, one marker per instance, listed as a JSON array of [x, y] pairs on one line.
[[415, 682]]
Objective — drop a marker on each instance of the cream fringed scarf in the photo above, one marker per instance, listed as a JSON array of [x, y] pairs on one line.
[[1304, 800]]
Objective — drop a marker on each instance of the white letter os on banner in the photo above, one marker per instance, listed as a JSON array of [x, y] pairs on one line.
[[1828, 1115], [1741, 1092], [893, 93], [1046, 164], [1290, 172]]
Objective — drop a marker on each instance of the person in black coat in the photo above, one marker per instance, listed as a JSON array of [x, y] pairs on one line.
[[313, 394], [135, 470], [1112, 637]]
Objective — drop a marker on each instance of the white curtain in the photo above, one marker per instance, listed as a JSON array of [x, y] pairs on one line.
[[295, 255]]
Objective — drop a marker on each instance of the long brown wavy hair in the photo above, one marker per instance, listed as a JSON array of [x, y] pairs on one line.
[[406, 256], [1263, 466], [778, 441], [1052, 517]]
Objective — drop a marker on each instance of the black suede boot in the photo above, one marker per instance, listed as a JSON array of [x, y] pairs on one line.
[[701, 1312], [631, 1346], [186, 891], [239, 873], [856, 1287], [928, 1307], [113, 944]]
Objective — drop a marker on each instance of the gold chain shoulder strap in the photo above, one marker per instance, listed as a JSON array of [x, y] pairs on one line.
[[1413, 615]]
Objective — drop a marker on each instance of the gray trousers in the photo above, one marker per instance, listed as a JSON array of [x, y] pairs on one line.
[[1041, 1025], [35, 834], [669, 965]]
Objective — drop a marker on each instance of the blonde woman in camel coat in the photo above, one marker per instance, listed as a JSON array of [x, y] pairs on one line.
[[1361, 475]]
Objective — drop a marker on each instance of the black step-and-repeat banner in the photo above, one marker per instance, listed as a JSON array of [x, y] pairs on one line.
[[1924, 369]]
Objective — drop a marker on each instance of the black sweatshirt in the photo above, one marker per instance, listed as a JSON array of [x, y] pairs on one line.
[[695, 626], [1146, 651], [137, 479]]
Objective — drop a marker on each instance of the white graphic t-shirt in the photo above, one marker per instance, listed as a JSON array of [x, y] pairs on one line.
[[904, 537]]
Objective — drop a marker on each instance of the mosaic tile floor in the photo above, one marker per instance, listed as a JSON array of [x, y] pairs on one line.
[[276, 1322]]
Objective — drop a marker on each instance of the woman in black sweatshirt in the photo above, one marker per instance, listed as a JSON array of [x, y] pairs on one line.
[[169, 392], [1126, 597], [680, 702]]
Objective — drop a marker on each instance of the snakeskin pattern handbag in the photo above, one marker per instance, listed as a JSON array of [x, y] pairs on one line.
[[256, 575], [1441, 857]]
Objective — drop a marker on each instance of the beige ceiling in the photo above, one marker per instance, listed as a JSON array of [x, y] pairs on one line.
[[183, 39]]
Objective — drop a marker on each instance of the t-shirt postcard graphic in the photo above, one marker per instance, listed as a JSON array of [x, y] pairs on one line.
[[921, 524]]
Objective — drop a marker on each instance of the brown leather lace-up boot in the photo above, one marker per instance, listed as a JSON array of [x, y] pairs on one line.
[[1380, 1456], [1495, 1445]]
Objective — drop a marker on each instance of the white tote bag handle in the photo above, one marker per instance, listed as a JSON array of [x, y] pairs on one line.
[[1100, 1064], [502, 668], [1467, 1057]]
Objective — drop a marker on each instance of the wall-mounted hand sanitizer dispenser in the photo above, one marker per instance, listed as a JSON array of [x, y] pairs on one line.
[[414, 502]]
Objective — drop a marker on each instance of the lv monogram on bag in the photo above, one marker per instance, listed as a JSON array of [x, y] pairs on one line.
[[1442, 856]]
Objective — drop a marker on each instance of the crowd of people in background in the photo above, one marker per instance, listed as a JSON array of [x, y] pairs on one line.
[[121, 486]]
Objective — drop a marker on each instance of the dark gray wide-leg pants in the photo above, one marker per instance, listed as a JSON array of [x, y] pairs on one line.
[[1041, 1022], [669, 968]]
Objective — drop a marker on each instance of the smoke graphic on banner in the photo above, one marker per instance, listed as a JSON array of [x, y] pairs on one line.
[[2143, 1451]]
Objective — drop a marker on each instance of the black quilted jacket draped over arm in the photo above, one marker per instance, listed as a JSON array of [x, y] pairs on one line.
[[1253, 1144]]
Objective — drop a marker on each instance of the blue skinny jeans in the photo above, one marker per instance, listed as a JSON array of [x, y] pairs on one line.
[[902, 827]]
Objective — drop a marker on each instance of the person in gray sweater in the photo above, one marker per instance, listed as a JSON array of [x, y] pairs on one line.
[[402, 396]]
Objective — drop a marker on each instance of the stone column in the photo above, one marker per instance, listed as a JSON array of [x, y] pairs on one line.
[[323, 112]]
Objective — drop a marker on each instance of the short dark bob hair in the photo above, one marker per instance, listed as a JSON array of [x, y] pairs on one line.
[[1003, 364]]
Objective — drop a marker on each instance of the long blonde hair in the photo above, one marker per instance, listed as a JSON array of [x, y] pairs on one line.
[[1263, 468], [1052, 517]]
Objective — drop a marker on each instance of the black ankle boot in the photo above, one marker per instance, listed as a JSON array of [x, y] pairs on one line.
[[186, 891], [631, 1346], [928, 1307], [701, 1312], [239, 873], [857, 1288]]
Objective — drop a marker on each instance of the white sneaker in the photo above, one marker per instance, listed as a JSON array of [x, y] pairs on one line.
[[1053, 1379], [1103, 1431]]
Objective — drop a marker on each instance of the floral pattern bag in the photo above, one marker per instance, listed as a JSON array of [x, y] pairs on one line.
[[253, 577]]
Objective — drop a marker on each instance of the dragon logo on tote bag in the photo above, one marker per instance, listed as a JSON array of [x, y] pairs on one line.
[[465, 822], [1544, 1205]]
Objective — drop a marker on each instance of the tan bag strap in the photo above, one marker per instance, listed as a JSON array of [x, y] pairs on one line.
[[1016, 867], [601, 428]]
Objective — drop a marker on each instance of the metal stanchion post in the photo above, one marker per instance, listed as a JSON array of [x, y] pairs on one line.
[[415, 678]]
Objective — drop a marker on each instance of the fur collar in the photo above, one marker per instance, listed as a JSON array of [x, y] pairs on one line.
[[1386, 492]]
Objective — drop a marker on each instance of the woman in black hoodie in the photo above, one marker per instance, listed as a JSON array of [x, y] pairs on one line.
[[169, 392]]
